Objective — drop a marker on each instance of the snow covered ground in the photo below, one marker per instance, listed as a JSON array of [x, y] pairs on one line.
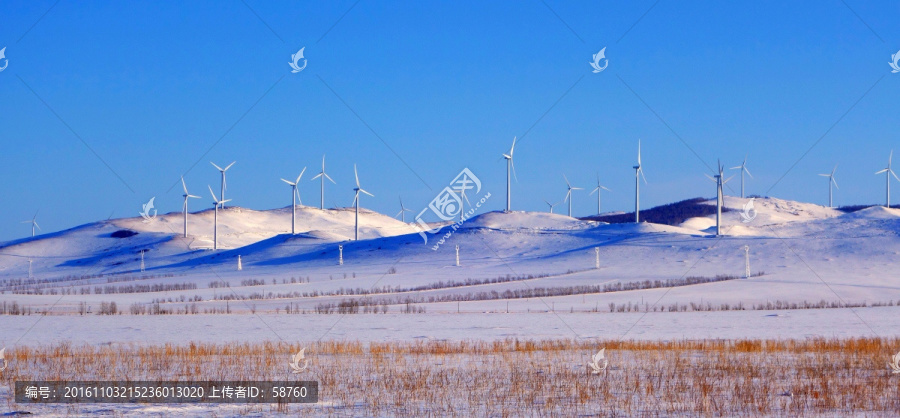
[[807, 254]]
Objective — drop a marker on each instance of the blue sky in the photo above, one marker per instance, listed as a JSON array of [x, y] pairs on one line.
[[143, 92]]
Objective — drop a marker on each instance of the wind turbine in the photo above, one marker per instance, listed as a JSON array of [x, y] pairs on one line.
[[357, 189], [184, 208], [888, 172], [216, 203], [33, 223], [323, 176], [830, 182], [403, 210], [224, 185], [294, 195], [569, 194], [551, 205], [510, 165], [720, 181], [743, 168], [638, 174], [597, 189]]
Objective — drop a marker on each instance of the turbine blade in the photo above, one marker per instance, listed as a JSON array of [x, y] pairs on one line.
[[825, 175], [895, 175], [36, 224], [604, 188], [317, 176], [577, 188], [639, 152], [709, 177], [882, 171], [735, 168], [301, 175], [229, 166], [567, 181], [183, 186], [329, 178], [213, 194], [834, 169], [513, 164], [569, 193], [292, 184], [748, 172], [355, 174], [641, 170], [184, 206], [195, 197], [370, 194], [512, 148], [729, 179], [214, 165], [225, 201], [595, 189], [835, 182]]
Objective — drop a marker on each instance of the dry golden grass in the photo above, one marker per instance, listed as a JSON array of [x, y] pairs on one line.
[[515, 377]]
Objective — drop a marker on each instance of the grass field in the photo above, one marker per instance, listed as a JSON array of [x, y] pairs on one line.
[[505, 378]]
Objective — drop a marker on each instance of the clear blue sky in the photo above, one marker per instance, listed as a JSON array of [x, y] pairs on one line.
[[151, 88]]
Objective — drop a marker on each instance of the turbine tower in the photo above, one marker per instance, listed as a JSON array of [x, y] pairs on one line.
[[743, 168], [33, 223], [638, 174], [830, 182], [597, 189], [510, 165], [294, 197], [551, 205], [403, 210], [569, 194], [184, 208], [224, 185], [357, 189], [216, 203], [888, 173], [720, 181], [323, 176]]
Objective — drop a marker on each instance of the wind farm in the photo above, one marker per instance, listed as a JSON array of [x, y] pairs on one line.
[[427, 278]]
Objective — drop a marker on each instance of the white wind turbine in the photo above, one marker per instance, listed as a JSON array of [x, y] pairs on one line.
[[403, 210], [33, 223], [184, 208], [216, 203], [830, 182], [295, 194], [743, 168], [551, 205], [597, 189], [357, 189], [323, 176], [638, 174], [224, 185], [888, 173], [569, 194], [720, 181], [509, 165]]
